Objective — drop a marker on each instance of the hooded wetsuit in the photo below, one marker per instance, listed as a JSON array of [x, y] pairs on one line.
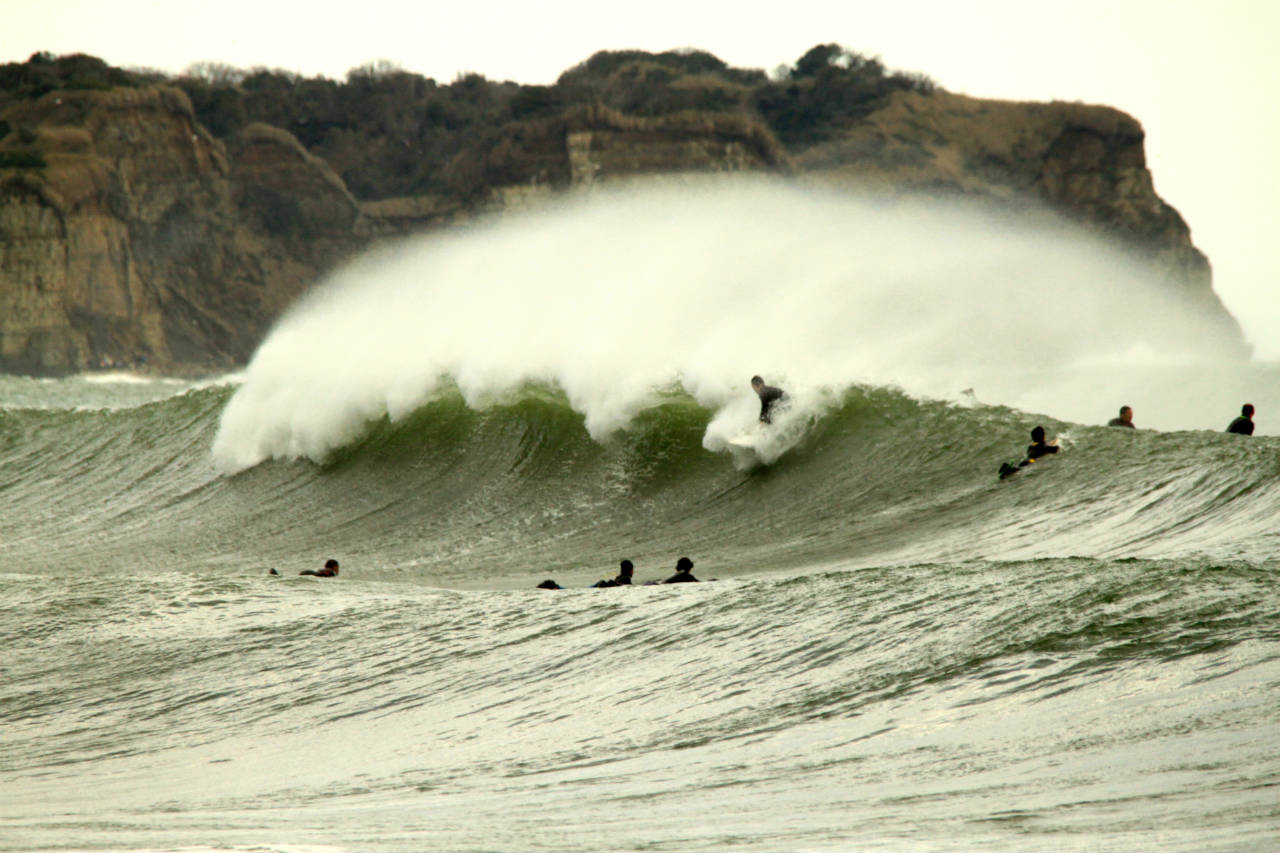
[[1040, 448]]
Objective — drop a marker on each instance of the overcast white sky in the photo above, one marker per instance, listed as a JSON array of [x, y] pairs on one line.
[[1202, 76]]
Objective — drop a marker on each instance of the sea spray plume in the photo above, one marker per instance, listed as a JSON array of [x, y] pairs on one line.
[[615, 294]]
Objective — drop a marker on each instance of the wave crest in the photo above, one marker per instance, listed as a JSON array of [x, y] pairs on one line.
[[614, 297]]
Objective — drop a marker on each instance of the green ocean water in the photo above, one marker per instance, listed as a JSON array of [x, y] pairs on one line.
[[900, 651]]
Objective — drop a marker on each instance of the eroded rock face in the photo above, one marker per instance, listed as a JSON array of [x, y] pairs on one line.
[[143, 238], [139, 242]]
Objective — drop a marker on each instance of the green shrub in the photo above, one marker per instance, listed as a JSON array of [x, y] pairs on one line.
[[389, 132], [44, 72], [827, 90], [88, 83], [21, 160]]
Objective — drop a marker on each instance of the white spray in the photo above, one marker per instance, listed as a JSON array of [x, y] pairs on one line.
[[613, 295]]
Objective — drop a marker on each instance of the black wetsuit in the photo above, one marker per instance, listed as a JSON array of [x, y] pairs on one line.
[[681, 577], [1241, 426], [322, 573], [1039, 449], [1118, 422], [1034, 452], [768, 396]]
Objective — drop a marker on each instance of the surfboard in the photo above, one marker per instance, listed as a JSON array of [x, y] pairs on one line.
[[746, 439]]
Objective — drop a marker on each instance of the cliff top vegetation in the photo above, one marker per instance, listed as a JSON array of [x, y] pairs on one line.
[[391, 133]]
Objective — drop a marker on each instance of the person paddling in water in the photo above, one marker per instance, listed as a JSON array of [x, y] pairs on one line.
[[1243, 425], [684, 572], [625, 571], [330, 570], [1038, 448], [1125, 419], [768, 396]]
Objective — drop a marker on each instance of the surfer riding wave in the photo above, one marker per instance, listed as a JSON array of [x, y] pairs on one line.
[[768, 396]]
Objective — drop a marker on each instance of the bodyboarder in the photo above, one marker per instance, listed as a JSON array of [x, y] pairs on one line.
[[330, 570], [1038, 447]]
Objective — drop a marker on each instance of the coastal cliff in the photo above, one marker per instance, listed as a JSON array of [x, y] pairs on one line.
[[141, 239], [130, 234]]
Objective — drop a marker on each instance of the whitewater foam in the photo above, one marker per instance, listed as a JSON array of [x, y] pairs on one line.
[[614, 296]]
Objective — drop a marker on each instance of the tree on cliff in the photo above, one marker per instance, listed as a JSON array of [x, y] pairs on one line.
[[43, 72], [827, 90]]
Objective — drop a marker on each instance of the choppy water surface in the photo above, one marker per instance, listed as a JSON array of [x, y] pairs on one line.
[[899, 651]]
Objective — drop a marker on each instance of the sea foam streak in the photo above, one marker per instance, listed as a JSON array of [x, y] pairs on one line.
[[615, 295]]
